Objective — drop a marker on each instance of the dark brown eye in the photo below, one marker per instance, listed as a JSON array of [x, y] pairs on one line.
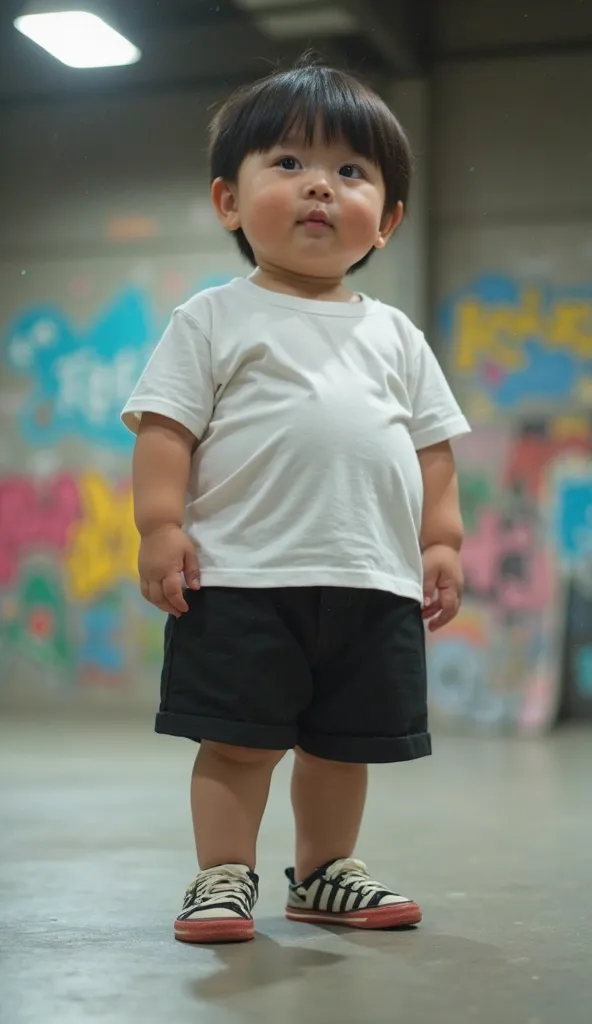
[[288, 163], [350, 171]]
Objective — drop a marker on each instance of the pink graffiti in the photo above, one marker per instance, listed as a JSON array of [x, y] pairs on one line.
[[34, 516], [487, 549], [492, 373]]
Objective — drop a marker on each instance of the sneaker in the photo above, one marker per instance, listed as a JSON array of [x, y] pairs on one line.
[[218, 906], [342, 892]]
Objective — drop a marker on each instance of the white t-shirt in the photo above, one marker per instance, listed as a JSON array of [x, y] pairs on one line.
[[308, 416]]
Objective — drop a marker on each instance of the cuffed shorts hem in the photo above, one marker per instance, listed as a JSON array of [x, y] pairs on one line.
[[366, 749], [349, 749], [220, 730]]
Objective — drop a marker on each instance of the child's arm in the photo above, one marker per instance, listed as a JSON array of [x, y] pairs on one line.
[[162, 459], [441, 535], [169, 409], [436, 420]]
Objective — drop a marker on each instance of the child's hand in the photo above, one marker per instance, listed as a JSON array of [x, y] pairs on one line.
[[442, 585], [164, 555]]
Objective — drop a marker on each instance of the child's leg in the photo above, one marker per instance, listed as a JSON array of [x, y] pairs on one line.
[[327, 885], [368, 706], [328, 798], [229, 791]]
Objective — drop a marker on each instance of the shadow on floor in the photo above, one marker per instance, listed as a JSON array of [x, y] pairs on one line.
[[428, 948], [249, 966]]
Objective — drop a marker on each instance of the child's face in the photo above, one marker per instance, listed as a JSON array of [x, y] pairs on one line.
[[312, 210]]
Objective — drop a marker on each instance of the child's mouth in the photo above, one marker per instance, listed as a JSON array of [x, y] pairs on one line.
[[318, 224]]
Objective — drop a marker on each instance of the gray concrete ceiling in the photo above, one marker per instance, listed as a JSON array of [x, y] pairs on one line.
[[204, 44]]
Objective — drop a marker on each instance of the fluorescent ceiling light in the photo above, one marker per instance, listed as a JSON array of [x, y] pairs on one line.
[[78, 39], [326, 21]]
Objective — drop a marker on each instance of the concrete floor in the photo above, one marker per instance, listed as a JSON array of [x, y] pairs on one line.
[[492, 837]]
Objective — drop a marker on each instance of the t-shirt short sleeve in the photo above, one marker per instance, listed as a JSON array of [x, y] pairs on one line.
[[177, 381], [436, 415]]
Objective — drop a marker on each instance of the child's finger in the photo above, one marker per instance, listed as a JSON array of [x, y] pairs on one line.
[[167, 608], [430, 591], [173, 592], [429, 611], [443, 619], [158, 599], [191, 568], [450, 605]]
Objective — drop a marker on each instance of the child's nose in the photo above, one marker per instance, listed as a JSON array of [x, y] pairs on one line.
[[319, 190]]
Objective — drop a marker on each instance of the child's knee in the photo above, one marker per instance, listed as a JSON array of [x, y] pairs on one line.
[[245, 756], [310, 760]]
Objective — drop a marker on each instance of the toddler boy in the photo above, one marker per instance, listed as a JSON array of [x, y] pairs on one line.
[[293, 464]]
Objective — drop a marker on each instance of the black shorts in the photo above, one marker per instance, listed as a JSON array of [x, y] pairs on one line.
[[339, 672]]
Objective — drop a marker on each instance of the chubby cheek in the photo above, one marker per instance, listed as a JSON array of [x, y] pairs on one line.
[[360, 221], [271, 212]]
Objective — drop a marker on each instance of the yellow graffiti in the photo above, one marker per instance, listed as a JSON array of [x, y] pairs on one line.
[[103, 546], [567, 428], [498, 332]]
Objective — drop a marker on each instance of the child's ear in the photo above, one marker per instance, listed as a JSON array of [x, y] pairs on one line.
[[225, 204], [390, 223]]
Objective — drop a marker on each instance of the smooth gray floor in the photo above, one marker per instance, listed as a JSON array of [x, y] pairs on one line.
[[492, 837]]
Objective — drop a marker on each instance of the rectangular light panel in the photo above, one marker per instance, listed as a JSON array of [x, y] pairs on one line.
[[78, 39]]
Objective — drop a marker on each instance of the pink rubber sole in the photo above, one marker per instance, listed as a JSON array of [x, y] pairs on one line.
[[215, 930], [397, 915]]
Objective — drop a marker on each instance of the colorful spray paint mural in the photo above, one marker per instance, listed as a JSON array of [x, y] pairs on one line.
[[514, 347], [520, 359], [67, 571], [69, 601], [80, 376]]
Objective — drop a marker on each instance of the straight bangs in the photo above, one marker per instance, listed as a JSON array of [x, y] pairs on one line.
[[304, 101]]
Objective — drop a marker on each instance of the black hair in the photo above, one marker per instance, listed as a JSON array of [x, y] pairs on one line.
[[261, 115]]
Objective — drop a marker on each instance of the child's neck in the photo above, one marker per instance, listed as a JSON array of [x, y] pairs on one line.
[[288, 283]]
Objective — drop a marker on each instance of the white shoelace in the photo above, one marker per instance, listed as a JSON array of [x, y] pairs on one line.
[[216, 884], [355, 875]]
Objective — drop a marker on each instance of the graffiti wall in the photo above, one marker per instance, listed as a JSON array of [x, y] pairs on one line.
[[520, 359], [72, 621], [67, 555]]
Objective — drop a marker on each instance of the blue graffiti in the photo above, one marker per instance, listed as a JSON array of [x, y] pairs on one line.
[[82, 376], [458, 683], [101, 647], [573, 519], [583, 672], [551, 370], [550, 375]]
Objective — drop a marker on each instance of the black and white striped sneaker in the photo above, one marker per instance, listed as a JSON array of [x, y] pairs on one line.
[[218, 906], [342, 892]]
